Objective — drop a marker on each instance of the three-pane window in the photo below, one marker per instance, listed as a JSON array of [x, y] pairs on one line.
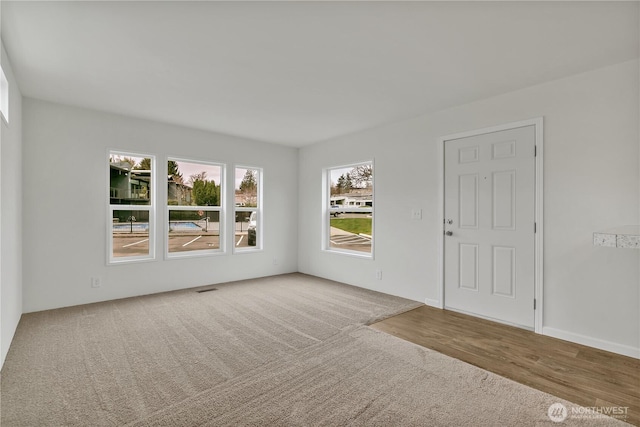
[[195, 208]]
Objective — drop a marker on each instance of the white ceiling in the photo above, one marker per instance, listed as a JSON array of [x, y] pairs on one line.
[[300, 72]]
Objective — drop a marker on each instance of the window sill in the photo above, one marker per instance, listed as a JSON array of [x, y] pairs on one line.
[[354, 254]]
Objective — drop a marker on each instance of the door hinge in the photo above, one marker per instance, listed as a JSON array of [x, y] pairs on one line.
[[535, 227], [535, 151], [534, 303]]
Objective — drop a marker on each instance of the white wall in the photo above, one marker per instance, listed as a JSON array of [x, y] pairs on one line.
[[10, 214], [65, 206], [592, 182]]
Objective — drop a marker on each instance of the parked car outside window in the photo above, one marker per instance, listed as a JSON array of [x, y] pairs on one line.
[[251, 231]]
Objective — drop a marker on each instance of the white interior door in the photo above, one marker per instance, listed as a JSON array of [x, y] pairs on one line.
[[489, 243]]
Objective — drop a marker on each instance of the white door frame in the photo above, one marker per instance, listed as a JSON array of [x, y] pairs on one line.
[[539, 188]]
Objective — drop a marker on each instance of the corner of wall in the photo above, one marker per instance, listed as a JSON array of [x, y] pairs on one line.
[[10, 213]]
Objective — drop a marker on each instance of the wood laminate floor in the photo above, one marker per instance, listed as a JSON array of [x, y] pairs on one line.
[[580, 374]]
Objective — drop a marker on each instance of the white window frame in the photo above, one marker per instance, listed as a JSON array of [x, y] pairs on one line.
[[326, 212], [259, 213], [220, 209], [4, 96], [111, 260]]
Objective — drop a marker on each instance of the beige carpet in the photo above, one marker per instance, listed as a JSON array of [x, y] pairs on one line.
[[288, 350]]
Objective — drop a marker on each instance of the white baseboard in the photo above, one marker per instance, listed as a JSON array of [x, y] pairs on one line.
[[433, 303], [625, 350]]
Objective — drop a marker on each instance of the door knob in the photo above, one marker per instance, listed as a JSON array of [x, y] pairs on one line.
[[449, 233]]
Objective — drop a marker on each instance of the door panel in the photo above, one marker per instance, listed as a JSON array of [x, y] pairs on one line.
[[468, 201], [490, 201], [468, 267], [504, 200], [504, 271]]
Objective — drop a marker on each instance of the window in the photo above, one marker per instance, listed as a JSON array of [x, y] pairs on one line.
[[194, 207], [248, 208], [4, 96], [131, 207], [349, 209]]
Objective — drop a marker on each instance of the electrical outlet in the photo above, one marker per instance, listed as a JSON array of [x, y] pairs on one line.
[[96, 282], [379, 274], [416, 214], [275, 261]]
